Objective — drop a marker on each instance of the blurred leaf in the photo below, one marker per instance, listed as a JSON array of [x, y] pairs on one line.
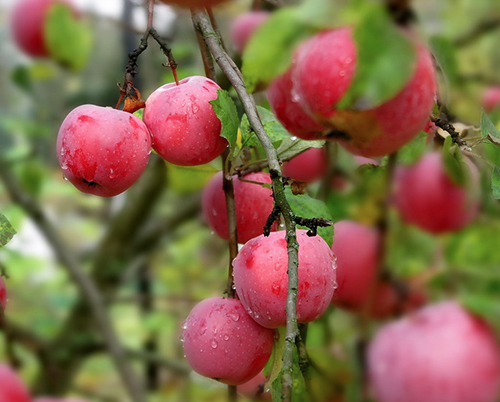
[[188, 179], [495, 182], [226, 111], [385, 62], [291, 147], [269, 50], [22, 78], [69, 41], [306, 207], [32, 175], [273, 127], [487, 126], [139, 113], [7, 232], [485, 306], [453, 162], [412, 151], [445, 54]]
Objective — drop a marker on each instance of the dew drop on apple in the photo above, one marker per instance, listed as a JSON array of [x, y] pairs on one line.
[[214, 344], [276, 288], [335, 285], [226, 337], [234, 316]]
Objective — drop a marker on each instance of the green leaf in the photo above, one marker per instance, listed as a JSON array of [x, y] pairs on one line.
[[484, 306], [7, 232], [22, 78], [386, 61], [445, 54], [273, 127], [412, 151], [453, 162], [488, 128], [495, 182], [269, 51], [226, 111], [291, 147], [307, 207], [188, 179], [69, 41]]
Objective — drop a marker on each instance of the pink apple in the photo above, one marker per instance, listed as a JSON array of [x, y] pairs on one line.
[[325, 67], [254, 388], [222, 342], [185, 128], [27, 24], [491, 98], [101, 150], [357, 249], [194, 3], [261, 279], [243, 27], [308, 166], [441, 353], [3, 293], [12, 388], [253, 205], [425, 196]]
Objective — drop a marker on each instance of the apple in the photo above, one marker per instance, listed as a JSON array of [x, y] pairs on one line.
[[357, 249], [3, 293], [27, 24], [491, 98], [308, 166], [261, 279], [12, 388], [324, 69], [184, 127], [222, 342], [425, 196], [194, 3], [101, 150], [254, 388], [253, 204], [441, 353], [243, 27]]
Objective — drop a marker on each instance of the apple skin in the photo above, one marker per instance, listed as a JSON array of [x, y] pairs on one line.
[[3, 293], [357, 249], [491, 98], [102, 151], [12, 388], [308, 166], [253, 205], [243, 27], [222, 342], [325, 67], [193, 3], [184, 127], [441, 353], [254, 388], [27, 24], [425, 196], [261, 279]]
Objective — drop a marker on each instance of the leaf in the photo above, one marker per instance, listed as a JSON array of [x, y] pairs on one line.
[[307, 207], [453, 162], [291, 147], [412, 151], [273, 127], [495, 182], [7, 232], [269, 50], [69, 41], [226, 111], [188, 179], [22, 78], [386, 61], [484, 306], [445, 54], [488, 128]]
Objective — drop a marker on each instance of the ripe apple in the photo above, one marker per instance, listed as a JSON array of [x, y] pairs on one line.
[[28, 21], [324, 69], [184, 127], [425, 196], [254, 388], [253, 205], [308, 166], [101, 150], [491, 98], [261, 279], [357, 249], [441, 353], [12, 388], [194, 3], [289, 111], [3, 293], [244, 25], [222, 342]]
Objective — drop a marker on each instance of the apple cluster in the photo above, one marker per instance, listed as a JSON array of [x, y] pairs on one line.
[[103, 151]]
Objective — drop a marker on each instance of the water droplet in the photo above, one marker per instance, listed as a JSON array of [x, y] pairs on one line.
[[64, 166], [226, 337], [342, 73], [335, 285], [276, 288], [234, 316], [293, 138], [214, 344], [184, 325]]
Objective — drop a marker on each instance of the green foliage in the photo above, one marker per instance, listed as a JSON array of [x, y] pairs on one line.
[[453, 162], [69, 41], [385, 61], [7, 232], [226, 111], [445, 55], [412, 151], [274, 129], [188, 179], [495, 182]]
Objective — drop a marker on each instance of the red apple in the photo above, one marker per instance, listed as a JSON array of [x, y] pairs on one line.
[[27, 24], [222, 342], [253, 204], [184, 127], [325, 67], [101, 150], [12, 388], [308, 166], [3, 293], [194, 3], [244, 25], [491, 98], [261, 279], [425, 196], [441, 353], [254, 388]]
